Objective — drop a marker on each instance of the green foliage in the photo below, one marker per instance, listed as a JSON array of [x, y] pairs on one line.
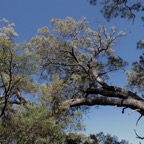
[[44, 122], [74, 138], [16, 69], [72, 50], [100, 138], [108, 139], [126, 9], [136, 76], [56, 65], [29, 125], [119, 8]]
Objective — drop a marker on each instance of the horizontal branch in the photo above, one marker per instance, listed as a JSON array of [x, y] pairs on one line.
[[105, 92], [113, 91], [107, 101]]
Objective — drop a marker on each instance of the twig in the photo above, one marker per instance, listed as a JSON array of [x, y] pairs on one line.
[[123, 110], [138, 119], [138, 135], [136, 110]]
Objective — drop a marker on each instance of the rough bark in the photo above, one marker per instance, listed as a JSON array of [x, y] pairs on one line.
[[112, 96]]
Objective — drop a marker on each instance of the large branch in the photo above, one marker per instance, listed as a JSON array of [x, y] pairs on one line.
[[108, 101], [113, 91], [113, 96]]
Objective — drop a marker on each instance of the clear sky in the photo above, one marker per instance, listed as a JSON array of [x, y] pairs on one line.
[[30, 15]]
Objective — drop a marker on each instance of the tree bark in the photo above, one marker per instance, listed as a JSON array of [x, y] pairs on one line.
[[114, 96]]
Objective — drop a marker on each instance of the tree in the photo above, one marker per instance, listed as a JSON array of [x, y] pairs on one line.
[[42, 122], [119, 8], [107, 139], [14, 77], [67, 69], [99, 138], [127, 10], [84, 58]]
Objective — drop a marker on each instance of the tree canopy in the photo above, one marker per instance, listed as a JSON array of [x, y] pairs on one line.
[[46, 84], [120, 8]]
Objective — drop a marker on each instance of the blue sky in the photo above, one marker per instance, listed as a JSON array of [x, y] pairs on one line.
[[30, 15]]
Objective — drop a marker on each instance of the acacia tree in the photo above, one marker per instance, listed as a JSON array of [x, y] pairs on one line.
[[82, 58], [14, 77], [129, 10], [42, 122]]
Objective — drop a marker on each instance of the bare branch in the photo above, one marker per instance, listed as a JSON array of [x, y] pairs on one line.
[[136, 110], [139, 137], [139, 119], [105, 101], [123, 110], [5, 97]]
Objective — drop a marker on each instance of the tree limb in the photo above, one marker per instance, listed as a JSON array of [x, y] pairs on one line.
[[107, 101]]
